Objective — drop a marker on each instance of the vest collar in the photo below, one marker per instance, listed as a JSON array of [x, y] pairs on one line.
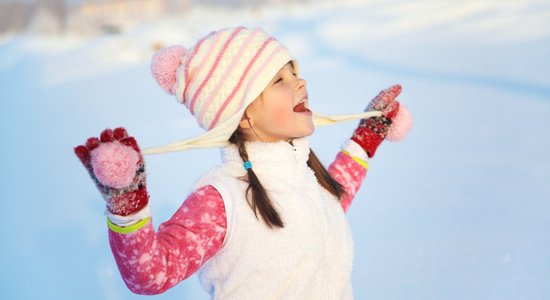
[[262, 154]]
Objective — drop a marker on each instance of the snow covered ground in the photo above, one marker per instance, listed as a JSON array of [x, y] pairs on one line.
[[459, 210]]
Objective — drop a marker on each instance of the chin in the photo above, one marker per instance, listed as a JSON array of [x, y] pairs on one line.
[[308, 131]]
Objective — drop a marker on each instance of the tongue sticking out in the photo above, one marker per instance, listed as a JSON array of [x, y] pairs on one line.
[[301, 108]]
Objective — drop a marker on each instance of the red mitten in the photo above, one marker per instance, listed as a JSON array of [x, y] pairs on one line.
[[115, 163], [370, 132]]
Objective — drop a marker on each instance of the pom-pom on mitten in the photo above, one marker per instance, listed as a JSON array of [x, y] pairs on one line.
[[401, 125], [164, 66], [370, 132], [115, 163]]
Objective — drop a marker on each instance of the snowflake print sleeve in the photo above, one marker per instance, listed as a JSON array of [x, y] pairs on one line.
[[151, 262], [349, 169]]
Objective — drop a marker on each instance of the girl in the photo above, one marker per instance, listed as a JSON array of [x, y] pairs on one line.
[[269, 222]]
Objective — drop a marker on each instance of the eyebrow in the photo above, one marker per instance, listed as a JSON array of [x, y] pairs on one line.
[[291, 67]]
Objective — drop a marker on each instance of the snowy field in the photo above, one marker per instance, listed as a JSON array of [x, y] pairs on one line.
[[459, 210]]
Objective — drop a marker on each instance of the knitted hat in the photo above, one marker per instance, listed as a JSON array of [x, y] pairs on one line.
[[219, 77]]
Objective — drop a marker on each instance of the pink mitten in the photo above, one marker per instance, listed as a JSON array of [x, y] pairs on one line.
[[370, 132], [115, 163]]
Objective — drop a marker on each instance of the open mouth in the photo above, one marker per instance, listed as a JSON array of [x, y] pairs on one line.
[[301, 108]]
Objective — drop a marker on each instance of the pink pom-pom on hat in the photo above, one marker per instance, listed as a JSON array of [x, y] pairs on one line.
[[401, 125], [114, 164], [164, 66]]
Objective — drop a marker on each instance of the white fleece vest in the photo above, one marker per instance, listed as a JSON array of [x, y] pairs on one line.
[[310, 258]]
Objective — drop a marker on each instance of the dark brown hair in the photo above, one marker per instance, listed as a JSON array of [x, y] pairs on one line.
[[259, 200]]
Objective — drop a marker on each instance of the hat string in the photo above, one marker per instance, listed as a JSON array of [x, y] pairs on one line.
[[217, 137]]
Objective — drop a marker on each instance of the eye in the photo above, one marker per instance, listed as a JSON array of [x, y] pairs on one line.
[[278, 80]]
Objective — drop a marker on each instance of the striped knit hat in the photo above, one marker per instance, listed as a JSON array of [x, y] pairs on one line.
[[218, 78]]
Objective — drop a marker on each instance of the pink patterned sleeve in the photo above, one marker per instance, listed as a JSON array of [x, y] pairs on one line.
[[150, 263], [349, 174]]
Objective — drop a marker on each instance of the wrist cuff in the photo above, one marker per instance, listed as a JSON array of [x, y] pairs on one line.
[[125, 221], [356, 152], [129, 229]]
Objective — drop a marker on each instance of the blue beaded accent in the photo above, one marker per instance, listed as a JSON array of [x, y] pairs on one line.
[[247, 165]]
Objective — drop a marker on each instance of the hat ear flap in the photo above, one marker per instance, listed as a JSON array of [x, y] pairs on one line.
[[164, 66]]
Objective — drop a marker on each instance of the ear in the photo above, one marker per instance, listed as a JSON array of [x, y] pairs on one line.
[[246, 122]]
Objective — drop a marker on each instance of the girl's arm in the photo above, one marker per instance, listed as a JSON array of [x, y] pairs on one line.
[[350, 166], [151, 262], [349, 169]]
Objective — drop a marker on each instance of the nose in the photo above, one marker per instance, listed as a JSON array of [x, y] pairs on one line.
[[300, 83]]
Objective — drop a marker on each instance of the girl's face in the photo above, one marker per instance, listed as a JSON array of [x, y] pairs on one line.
[[281, 111]]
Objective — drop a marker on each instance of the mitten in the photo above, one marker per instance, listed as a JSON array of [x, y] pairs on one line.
[[115, 164], [370, 132]]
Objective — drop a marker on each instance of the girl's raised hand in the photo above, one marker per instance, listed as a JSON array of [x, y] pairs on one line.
[[384, 99], [115, 163], [394, 123]]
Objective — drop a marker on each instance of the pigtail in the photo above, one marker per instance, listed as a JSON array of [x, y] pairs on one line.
[[259, 200], [323, 177]]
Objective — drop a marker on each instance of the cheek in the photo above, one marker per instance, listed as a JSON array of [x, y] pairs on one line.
[[283, 118], [280, 113]]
